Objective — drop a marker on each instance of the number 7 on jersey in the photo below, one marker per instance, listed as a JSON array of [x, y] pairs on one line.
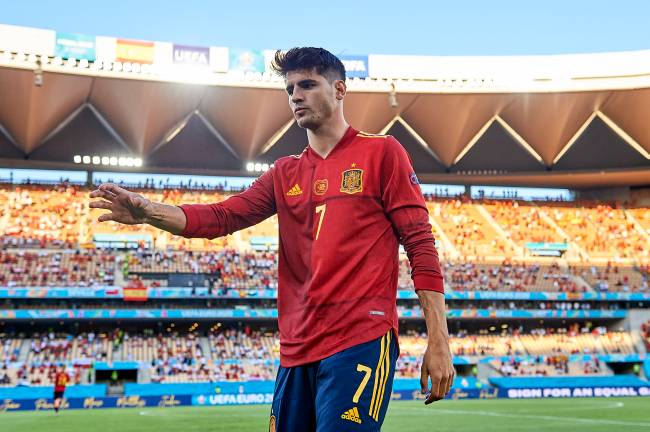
[[321, 211]]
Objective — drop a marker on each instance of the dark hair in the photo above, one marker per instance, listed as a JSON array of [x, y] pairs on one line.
[[300, 58]]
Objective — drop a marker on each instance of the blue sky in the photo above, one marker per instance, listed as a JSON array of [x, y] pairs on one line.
[[470, 27]]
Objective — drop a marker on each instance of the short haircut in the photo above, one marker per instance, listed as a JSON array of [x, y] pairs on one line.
[[307, 58]]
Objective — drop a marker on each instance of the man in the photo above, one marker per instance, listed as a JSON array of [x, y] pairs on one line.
[[343, 205], [61, 379]]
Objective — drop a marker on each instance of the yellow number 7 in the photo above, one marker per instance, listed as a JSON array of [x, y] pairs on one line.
[[365, 369], [321, 210]]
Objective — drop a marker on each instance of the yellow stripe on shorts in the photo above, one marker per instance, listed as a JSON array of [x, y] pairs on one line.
[[378, 369], [385, 378]]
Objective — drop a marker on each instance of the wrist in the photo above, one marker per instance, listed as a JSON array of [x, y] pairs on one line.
[[152, 213], [437, 337]]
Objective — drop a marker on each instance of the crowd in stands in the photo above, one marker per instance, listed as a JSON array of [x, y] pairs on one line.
[[56, 268], [614, 278], [47, 214], [600, 230], [467, 229], [38, 374], [228, 268], [547, 366], [645, 333], [247, 354], [509, 276], [522, 222], [536, 342]]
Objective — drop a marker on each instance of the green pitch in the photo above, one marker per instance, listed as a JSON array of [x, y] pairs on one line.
[[575, 415]]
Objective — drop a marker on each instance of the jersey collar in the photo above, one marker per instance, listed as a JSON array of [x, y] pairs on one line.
[[348, 136]]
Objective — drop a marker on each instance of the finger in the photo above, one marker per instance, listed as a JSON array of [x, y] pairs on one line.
[[105, 217], [434, 395], [106, 205], [424, 378], [98, 193], [450, 383], [442, 388], [113, 188]]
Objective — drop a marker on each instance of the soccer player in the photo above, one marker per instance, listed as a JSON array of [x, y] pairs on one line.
[[343, 206], [61, 379]]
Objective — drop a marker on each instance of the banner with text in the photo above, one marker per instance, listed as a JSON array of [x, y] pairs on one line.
[[356, 66], [191, 55], [74, 45]]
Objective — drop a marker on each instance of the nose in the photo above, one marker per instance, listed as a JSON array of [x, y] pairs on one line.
[[297, 95]]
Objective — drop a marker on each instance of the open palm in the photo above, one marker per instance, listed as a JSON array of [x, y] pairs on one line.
[[124, 206]]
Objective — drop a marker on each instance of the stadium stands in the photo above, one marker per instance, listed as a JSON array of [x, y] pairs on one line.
[[523, 222], [55, 246], [604, 232], [490, 235], [613, 278], [468, 229], [244, 355], [509, 276], [56, 268]]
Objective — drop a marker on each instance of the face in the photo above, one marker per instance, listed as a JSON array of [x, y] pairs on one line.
[[313, 98]]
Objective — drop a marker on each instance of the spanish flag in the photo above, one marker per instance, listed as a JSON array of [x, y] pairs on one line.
[[135, 291], [134, 51]]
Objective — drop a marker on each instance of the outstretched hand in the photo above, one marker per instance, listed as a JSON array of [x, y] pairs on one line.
[[124, 206]]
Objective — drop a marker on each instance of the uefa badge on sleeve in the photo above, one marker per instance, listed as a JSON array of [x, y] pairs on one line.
[[414, 179]]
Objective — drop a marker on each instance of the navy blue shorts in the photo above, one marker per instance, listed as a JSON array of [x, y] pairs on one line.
[[348, 391]]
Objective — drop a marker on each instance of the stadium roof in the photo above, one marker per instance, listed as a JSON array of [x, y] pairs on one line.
[[581, 131]]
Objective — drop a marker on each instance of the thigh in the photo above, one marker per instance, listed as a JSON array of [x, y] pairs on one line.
[[293, 400], [354, 386]]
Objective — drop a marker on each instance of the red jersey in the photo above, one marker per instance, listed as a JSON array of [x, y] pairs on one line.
[[340, 219], [61, 379]]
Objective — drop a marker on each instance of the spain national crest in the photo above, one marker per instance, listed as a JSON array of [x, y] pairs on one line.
[[352, 181]]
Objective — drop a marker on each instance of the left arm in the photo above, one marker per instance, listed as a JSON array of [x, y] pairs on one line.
[[407, 211], [415, 234]]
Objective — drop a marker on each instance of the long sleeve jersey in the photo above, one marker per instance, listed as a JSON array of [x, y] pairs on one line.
[[341, 219]]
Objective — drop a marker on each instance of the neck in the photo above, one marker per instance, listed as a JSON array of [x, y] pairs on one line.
[[324, 139]]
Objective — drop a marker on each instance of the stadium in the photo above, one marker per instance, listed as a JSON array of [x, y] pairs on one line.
[[536, 174]]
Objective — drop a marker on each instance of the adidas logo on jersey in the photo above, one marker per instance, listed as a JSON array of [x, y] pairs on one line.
[[295, 190], [352, 415]]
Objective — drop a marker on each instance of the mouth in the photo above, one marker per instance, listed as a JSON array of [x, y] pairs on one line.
[[300, 109]]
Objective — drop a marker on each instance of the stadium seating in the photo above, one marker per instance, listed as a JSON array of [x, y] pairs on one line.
[[509, 276], [547, 366], [468, 230], [604, 232], [613, 278], [47, 214], [539, 342], [56, 268], [234, 270], [523, 222]]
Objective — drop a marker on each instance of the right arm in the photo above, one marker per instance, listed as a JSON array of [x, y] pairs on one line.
[[195, 220]]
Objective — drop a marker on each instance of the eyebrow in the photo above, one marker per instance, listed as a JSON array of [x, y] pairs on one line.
[[300, 83]]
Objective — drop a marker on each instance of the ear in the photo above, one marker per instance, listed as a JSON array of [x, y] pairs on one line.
[[341, 89]]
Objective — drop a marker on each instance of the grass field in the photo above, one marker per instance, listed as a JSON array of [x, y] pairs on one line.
[[575, 415]]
